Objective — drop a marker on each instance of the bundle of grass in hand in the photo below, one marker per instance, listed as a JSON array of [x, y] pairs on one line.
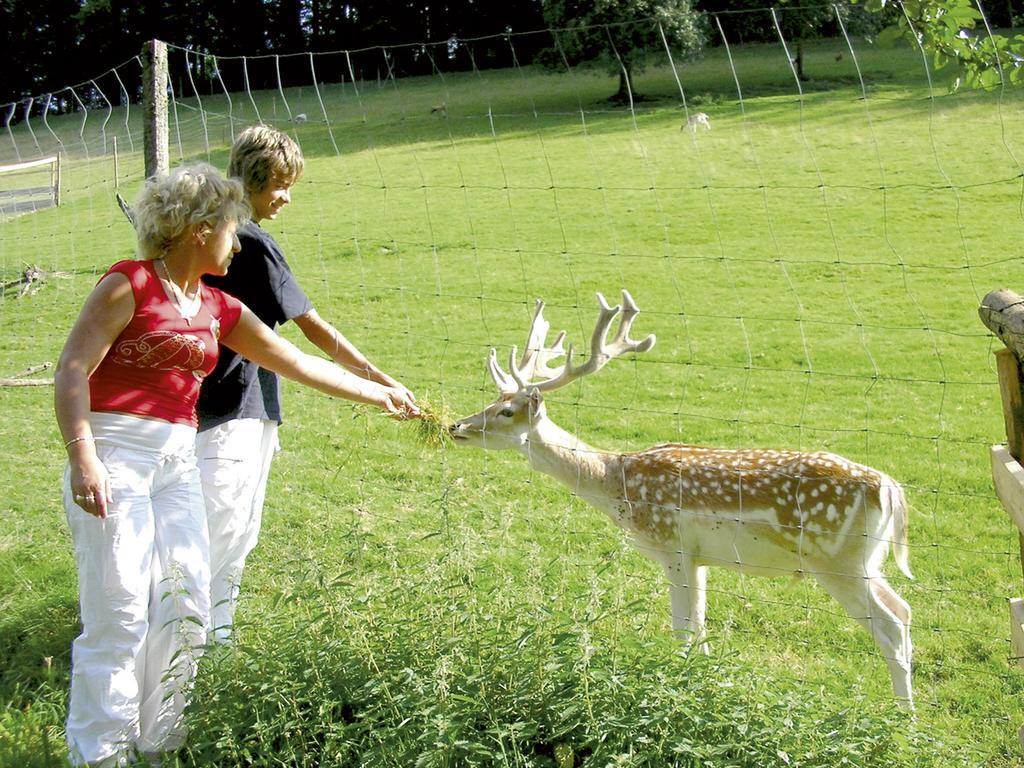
[[433, 424]]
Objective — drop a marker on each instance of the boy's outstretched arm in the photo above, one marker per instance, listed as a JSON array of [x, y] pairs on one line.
[[333, 343]]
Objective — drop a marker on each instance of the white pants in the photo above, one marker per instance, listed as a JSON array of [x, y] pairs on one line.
[[143, 582], [234, 462]]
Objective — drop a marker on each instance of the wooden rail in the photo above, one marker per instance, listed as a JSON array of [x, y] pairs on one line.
[[27, 199]]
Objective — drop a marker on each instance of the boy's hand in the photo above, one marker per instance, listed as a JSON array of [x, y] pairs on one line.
[[387, 381], [399, 402]]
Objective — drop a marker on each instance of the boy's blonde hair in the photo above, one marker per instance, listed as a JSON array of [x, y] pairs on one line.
[[170, 205], [261, 152]]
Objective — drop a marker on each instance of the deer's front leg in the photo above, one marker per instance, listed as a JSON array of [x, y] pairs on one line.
[[687, 586]]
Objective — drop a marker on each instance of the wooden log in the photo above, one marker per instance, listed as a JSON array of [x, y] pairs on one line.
[[26, 382], [30, 274], [126, 209], [1002, 312], [32, 369], [19, 380], [31, 280]]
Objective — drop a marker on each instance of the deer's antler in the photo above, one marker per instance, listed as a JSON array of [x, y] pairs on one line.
[[537, 356]]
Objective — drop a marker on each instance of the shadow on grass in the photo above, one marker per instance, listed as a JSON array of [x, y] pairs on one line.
[[35, 651], [35, 647], [343, 119]]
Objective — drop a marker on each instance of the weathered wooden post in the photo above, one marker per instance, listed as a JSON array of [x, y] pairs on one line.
[[56, 181], [1002, 312], [154, 99]]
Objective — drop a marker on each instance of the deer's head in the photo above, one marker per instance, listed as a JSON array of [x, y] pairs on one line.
[[508, 422]]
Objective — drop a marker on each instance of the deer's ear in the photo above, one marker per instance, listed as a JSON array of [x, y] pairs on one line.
[[534, 398]]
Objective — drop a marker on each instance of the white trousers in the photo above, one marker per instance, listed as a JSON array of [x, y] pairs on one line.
[[234, 462], [143, 581]]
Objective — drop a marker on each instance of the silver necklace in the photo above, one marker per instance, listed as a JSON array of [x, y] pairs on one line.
[[178, 296]]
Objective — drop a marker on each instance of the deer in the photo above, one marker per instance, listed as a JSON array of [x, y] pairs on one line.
[[698, 118], [688, 507]]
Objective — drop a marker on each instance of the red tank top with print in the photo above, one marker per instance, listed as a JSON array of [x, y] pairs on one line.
[[156, 365]]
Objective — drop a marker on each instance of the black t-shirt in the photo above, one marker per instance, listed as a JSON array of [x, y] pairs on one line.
[[260, 278]]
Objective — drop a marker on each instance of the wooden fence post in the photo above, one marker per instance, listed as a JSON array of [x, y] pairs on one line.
[[1008, 369], [154, 99], [1008, 474], [1002, 312]]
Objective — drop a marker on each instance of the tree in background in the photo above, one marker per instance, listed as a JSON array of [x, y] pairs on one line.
[[362, 23], [286, 24], [621, 34], [38, 37], [240, 28], [957, 36], [55, 43], [792, 21]]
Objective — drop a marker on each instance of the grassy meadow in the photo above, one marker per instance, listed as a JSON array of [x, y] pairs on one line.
[[812, 267]]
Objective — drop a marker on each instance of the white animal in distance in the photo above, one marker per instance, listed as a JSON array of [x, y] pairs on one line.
[[698, 118]]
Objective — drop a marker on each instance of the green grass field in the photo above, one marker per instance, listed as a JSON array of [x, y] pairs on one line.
[[812, 268]]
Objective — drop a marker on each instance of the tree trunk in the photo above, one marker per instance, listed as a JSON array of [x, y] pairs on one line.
[[625, 93], [800, 61]]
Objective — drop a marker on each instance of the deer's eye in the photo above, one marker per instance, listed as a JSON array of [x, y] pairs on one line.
[[508, 413]]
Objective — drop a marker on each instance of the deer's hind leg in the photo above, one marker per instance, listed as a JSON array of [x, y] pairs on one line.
[[899, 609], [886, 616]]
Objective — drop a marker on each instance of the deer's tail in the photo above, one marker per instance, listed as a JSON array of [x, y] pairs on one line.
[[894, 503]]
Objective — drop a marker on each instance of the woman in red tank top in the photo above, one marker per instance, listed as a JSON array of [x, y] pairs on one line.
[[126, 388]]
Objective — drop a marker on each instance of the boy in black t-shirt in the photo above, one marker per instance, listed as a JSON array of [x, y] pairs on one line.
[[239, 405]]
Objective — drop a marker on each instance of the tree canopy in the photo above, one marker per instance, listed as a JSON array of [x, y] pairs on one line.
[[54, 44], [622, 33], [51, 45], [955, 33]]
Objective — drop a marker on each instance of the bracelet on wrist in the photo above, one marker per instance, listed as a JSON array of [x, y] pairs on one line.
[[74, 440]]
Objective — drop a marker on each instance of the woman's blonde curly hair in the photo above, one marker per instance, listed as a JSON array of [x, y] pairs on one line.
[[170, 205]]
